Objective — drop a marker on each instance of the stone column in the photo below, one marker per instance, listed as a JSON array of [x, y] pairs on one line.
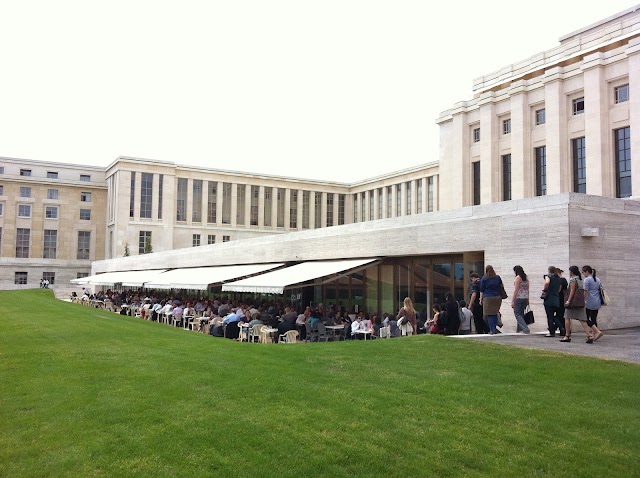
[[189, 206], [205, 203], [312, 209], [521, 167], [489, 161], [385, 196], [555, 132], [436, 192], [261, 207], [323, 217], [633, 52], [335, 208], [234, 204], [219, 203], [154, 197], [414, 196], [301, 207]]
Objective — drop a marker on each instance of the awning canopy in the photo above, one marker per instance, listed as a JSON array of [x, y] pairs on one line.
[[201, 277], [126, 278], [277, 281]]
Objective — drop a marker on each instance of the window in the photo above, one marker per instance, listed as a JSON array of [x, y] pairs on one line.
[[196, 201], [409, 198], [20, 278], [144, 242], [476, 182], [81, 275], [1, 190], [85, 197], [622, 145], [342, 198], [430, 194], [579, 165], [318, 213], [476, 135], [621, 93], [241, 191], [52, 175], [50, 276], [506, 126], [419, 202], [372, 205], [293, 209], [24, 210], [195, 241], [380, 204], [329, 209], [85, 177], [85, 214], [255, 198], [506, 177], [1, 169], [160, 187], [25, 192], [52, 194], [51, 212], [1, 209], [211, 239], [226, 203], [146, 194], [268, 206], [212, 192], [226, 238], [306, 207], [541, 117], [398, 200], [355, 208], [23, 237], [280, 207], [541, 170], [363, 211], [84, 244], [389, 200], [181, 200], [49, 250], [578, 106], [25, 172], [132, 194]]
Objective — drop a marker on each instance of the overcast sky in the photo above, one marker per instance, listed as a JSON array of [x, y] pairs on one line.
[[336, 90]]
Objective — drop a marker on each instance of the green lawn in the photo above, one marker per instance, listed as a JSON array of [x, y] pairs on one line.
[[84, 392]]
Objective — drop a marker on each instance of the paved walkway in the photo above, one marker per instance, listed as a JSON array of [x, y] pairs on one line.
[[623, 344]]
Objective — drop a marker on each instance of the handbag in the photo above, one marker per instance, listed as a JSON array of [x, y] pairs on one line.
[[503, 294], [544, 294], [402, 320], [528, 316], [577, 301]]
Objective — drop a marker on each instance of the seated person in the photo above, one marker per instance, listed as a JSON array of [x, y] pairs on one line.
[[357, 327], [285, 326]]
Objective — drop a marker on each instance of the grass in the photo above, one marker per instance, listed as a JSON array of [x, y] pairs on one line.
[[84, 393]]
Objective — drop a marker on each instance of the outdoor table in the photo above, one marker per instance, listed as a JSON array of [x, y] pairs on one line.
[[270, 330], [244, 329], [365, 332], [334, 329]]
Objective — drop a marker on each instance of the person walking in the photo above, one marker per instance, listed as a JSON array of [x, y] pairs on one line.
[[520, 298], [592, 299], [475, 307], [552, 302], [491, 297], [573, 311], [564, 286], [410, 313]]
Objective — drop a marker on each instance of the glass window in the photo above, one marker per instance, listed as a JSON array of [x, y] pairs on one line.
[[1, 169], [1, 190], [342, 198], [20, 278], [318, 213], [132, 194], [80, 275], [419, 202], [25, 192], [476, 135], [51, 212], [541, 116], [85, 177], [212, 201], [280, 206], [254, 207], [306, 209], [22, 242], [506, 126], [146, 195], [52, 194], [226, 238], [389, 200], [144, 242], [160, 188], [506, 177], [329, 209], [293, 209], [240, 204], [398, 200], [226, 203], [85, 197], [85, 214], [579, 165], [380, 204], [195, 240], [621, 93], [1, 209], [363, 210], [578, 106], [211, 239], [181, 200], [622, 145], [476, 182], [25, 172], [50, 244], [196, 201], [52, 175], [541, 170], [24, 210], [49, 276], [268, 206], [409, 198], [355, 208], [372, 205], [430, 194], [84, 244]]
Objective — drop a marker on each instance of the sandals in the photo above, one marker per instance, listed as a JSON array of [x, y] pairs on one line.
[[566, 338], [597, 336], [589, 339]]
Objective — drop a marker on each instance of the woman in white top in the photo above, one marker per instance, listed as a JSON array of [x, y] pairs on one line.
[[520, 298]]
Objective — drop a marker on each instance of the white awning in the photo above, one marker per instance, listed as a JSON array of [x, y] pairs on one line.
[[126, 278], [200, 277], [275, 282]]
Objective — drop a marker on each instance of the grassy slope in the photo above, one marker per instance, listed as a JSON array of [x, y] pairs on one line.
[[85, 392]]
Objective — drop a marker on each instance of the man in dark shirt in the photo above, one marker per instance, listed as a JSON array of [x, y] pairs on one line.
[[474, 305]]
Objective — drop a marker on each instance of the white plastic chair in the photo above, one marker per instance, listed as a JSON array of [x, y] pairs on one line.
[[385, 332], [289, 337]]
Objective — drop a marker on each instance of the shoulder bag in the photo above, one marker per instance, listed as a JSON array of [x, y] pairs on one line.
[[577, 301], [604, 297], [528, 316]]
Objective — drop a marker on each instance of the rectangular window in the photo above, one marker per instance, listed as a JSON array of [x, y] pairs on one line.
[[363, 210], [355, 208], [196, 201], [389, 200], [372, 205], [212, 201], [85, 177], [578, 106], [541, 170], [25, 192], [81, 275], [211, 239], [280, 206], [1, 190], [20, 278], [579, 165], [255, 198], [380, 204], [52, 175], [293, 209], [430, 194], [226, 238], [85, 197], [409, 201], [51, 212], [506, 177], [49, 250], [23, 237], [1, 169], [52, 194], [419, 202], [622, 145], [240, 204], [160, 188], [226, 203], [476, 135], [195, 242], [342, 198], [506, 126], [318, 213], [144, 242], [621, 93], [146, 195], [475, 177], [24, 210], [268, 206], [329, 209], [84, 245], [1, 209], [49, 276], [25, 172], [306, 209], [132, 194], [85, 214], [181, 200], [541, 116], [398, 200]]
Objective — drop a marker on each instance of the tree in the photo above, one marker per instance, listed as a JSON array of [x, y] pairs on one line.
[[148, 248], [126, 250]]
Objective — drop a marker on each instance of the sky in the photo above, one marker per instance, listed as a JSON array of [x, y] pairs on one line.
[[337, 90]]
